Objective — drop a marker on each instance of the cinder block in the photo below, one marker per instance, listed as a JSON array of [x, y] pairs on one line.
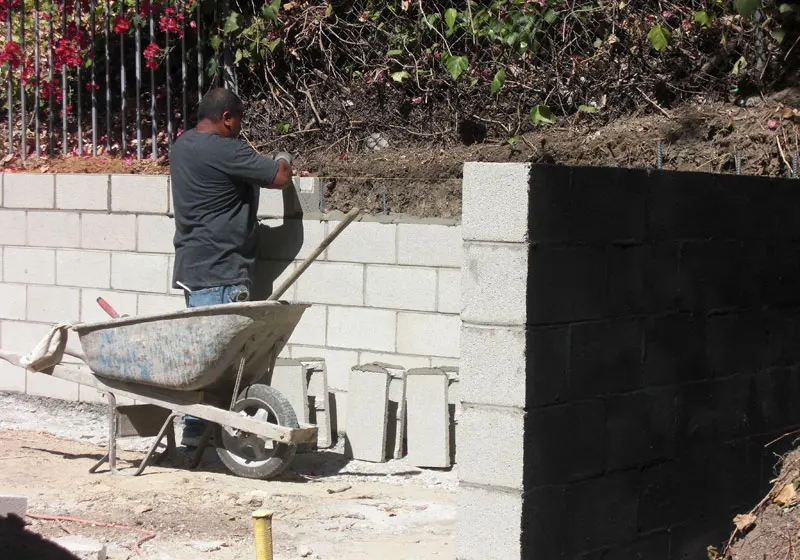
[[336, 283], [84, 269], [289, 239], [12, 227], [81, 191], [490, 446], [141, 273], [123, 303], [12, 378], [320, 411], [365, 242], [359, 328], [429, 245], [91, 395], [367, 413], [22, 337], [338, 412], [428, 334], [494, 284], [28, 190], [488, 524], [449, 291], [337, 363], [151, 304], [493, 365], [407, 362], [289, 378], [396, 424], [108, 231], [155, 234], [43, 385], [29, 266], [495, 202], [53, 304], [82, 548], [270, 203], [146, 194], [310, 330], [428, 418], [11, 504], [401, 287], [54, 229], [12, 301]]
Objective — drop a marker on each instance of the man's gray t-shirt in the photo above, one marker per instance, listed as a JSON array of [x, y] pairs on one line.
[[215, 191]]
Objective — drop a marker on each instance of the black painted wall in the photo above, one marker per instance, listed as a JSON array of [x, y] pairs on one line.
[[663, 351]]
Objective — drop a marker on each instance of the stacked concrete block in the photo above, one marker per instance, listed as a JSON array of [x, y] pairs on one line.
[[368, 413], [428, 424], [146, 194], [396, 425], [318, 399], [491, 382], [82, 192], [29, 190]]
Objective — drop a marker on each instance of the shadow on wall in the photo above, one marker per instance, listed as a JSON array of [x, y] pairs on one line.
[[662, 327], [278, 246], [17, 542]]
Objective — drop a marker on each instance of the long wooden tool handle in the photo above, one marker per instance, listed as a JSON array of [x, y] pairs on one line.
[[349, 217]]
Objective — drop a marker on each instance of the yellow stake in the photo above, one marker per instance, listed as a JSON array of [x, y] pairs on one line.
[[262, 525]]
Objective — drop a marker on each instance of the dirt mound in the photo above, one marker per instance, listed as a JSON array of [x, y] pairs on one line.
[[772, 529], [421, 176]]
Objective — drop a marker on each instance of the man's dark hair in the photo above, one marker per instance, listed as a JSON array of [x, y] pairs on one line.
[[217, 102]]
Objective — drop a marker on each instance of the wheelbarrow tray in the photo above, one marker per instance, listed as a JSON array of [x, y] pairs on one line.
[[192, 349]]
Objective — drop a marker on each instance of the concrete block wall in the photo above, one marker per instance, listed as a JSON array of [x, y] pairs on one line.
[[386, 290], [634, 363]]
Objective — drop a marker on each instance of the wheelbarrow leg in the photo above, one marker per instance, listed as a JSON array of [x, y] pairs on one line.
[[168, 430], [111, 456]]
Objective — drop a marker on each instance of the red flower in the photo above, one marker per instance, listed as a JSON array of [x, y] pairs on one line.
[[121, 25], [91, 85], [193, 24], [151, 54], [169, 23], [11, 54], [146, 8]]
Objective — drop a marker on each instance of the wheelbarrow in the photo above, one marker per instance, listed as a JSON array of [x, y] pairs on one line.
[[213, 363]]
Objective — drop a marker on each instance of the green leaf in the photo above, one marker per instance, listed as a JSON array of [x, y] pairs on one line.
[[232, 22], [550, 16], [450, 15], [786, 8], [587, 109], [498, 80], [394, 52], [747, 7], [274, 44], [702, 19], [456, 65], [211, 69], [541, 114], [239, 56], [283, 127], [400, 76], [779, 35], [216, 42], [329, 10], [659, 37], [740, 65]]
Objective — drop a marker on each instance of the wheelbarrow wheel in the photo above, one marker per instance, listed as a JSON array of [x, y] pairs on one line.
[[249, 455]]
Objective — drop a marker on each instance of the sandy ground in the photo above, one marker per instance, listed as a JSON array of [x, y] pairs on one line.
[[325, 506]]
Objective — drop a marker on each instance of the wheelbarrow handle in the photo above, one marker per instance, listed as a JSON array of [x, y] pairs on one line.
[[346, 221]]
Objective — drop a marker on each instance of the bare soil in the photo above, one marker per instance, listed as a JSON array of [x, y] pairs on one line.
[[325, 507], [421, 175]]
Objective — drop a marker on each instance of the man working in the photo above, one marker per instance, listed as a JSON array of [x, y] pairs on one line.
[[215, 190]]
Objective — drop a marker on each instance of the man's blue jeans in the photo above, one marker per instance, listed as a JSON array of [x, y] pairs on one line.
[[194, 427]]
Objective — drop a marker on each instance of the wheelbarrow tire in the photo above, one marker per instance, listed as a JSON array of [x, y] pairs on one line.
[[281, 413]]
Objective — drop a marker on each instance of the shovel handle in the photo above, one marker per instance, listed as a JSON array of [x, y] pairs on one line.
[[107, 308], [348, 219]]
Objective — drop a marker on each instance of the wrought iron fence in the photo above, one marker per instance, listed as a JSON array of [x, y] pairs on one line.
[[77, 73]]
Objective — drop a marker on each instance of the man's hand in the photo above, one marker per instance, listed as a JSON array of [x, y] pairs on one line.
[[285, 156]]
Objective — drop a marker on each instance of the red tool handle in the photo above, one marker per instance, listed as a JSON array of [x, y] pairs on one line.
[[107, 308]]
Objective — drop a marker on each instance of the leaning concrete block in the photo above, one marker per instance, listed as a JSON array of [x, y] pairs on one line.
[[337, 364], [82, 548], [428, 425], [289, 378], [367, 413], [396, 424], [11, 504], [319, 399]]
